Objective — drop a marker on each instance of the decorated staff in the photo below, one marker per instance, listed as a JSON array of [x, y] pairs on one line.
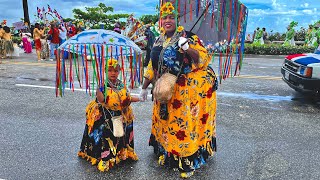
[[42, 15]]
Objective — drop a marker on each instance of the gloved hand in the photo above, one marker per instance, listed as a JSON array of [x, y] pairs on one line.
[[143, 95], [183, 43]]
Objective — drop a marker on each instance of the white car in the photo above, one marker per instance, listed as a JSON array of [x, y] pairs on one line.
[[302, 72]]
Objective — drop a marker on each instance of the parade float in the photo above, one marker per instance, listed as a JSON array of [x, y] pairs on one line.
[[135, 30]]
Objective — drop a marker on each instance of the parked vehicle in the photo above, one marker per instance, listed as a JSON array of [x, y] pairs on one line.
[[302, 72]]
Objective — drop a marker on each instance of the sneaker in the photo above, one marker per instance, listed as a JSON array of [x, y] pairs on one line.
[[50, 59]]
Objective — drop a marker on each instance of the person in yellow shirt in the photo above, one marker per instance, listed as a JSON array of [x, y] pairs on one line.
[[183, 131]]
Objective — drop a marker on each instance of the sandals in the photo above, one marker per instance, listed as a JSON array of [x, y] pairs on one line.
[[186, 174]]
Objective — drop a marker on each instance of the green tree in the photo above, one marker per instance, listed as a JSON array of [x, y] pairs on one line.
[[68, 19], [97, 15], [149, 19]]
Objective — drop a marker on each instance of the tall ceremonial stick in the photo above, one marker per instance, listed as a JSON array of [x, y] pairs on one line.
[[200, 16]]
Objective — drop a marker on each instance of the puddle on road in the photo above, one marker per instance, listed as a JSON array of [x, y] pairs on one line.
[[257, 96], [296, 98]]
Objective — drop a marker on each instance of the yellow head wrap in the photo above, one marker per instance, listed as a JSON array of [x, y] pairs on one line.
[[113, 62], [167, 9]]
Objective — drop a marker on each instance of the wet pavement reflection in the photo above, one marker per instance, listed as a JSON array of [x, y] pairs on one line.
[[297, 97], [257, 96]]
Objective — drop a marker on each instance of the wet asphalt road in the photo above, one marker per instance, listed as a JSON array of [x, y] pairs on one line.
[[265, 130]]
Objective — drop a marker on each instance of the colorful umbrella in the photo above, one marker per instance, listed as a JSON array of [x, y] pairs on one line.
[[101, 37], [85, 56]]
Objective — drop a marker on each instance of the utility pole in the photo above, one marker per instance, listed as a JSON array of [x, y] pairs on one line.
[[26, 12]]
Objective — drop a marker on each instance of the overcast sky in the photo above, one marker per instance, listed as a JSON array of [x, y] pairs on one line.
[[273, 14]]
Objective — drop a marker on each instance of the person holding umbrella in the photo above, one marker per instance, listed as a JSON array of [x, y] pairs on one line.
[[102, 144], [183, 131]]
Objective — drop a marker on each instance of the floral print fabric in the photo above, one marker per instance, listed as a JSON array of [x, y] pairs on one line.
[[186, 135], [98, 145]]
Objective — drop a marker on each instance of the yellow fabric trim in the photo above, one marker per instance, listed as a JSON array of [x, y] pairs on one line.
[[204, 58], [149, 73], [91, 114], [104, 166]]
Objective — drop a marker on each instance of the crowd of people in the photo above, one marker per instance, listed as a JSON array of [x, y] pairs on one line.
[[259, 36], [44, 39], [311, 39]]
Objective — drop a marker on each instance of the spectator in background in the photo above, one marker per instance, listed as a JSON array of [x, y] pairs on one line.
[[79, 29], [151, 38], [8, 44], [62, 33], [248, 39], [72, 30], [26, 39], [37, 33], [31, 30], [255, 32], [54, 40], [117, 28], [1, 43], [45, 53], [265, 34]]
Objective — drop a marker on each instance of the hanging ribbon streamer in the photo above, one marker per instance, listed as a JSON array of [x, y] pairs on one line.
[[99, 67], [107, 69], [84, 68], [185, 12], [131, 69], [94, 76], [122, 69], [102, 67], [190, 2], [70, 70], [58, 68]]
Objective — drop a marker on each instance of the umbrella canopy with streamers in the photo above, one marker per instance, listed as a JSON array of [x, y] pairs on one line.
[[216, 21], [101, 37], [83, 60]]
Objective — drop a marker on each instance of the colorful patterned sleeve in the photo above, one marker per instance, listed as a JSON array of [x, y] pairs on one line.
[[149, 74], [204, 58]]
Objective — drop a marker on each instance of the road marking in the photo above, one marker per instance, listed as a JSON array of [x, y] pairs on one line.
[[29, 63], [243, 76], [68, 89], [259, 77]]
